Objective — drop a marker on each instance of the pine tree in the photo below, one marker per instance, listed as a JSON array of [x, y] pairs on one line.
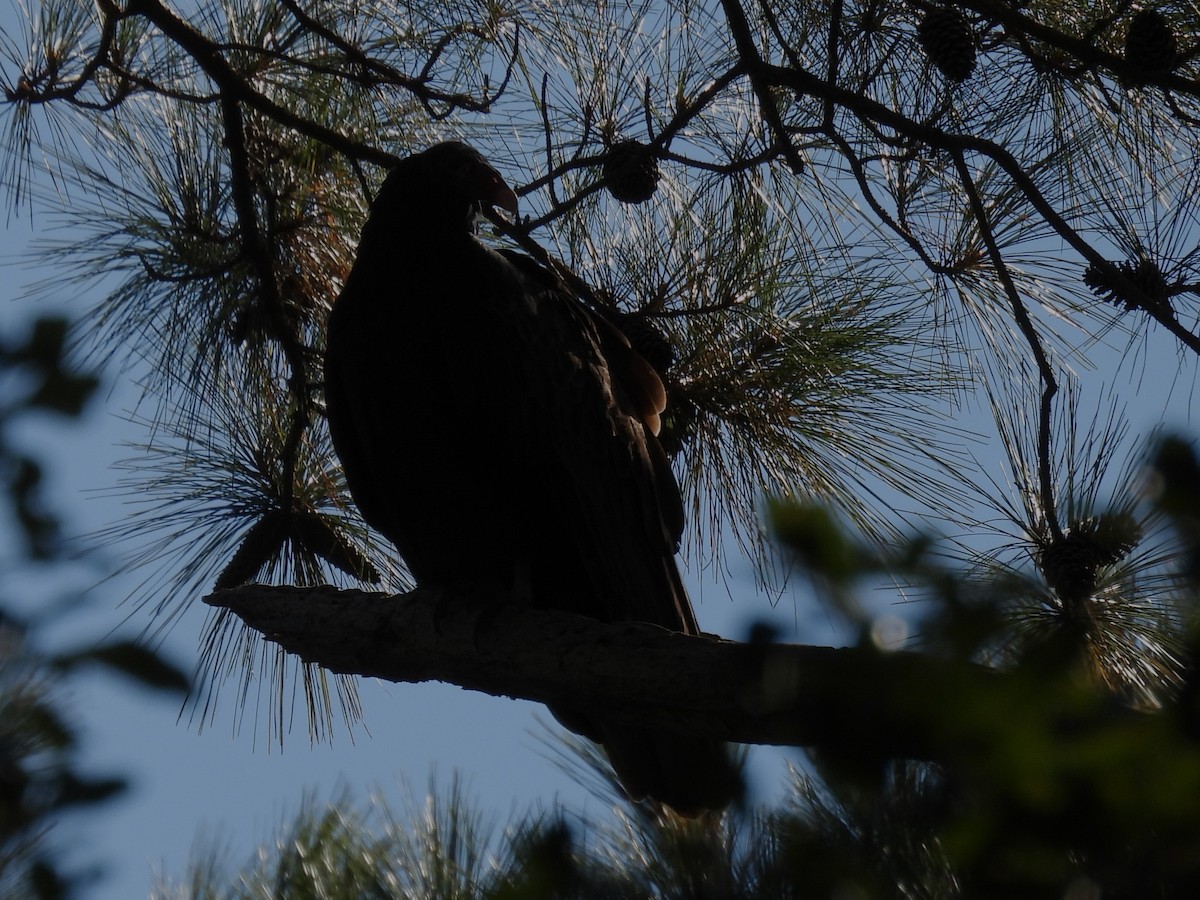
[[846, 223]]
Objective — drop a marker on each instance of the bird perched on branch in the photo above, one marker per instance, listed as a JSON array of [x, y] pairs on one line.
[[502, 436]]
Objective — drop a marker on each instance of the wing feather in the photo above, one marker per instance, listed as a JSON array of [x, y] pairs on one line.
[[618, 502]]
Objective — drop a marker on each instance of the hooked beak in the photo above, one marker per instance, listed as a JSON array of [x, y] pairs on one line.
[[501, 195]]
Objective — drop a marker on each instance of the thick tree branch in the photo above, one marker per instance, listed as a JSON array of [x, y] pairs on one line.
[[857, 699]]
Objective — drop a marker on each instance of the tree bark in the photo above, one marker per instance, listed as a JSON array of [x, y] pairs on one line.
[[857, 700]]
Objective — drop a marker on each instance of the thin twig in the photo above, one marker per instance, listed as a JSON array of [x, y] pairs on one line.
[[1025, 324], [548, 131], [748, 51], [859, 172]]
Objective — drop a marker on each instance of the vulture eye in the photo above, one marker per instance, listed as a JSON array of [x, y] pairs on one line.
[[482, 184]]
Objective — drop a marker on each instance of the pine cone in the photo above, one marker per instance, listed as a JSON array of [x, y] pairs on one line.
[[949, 42], [649, 341], [1072, 563], [1071, 566], [678, 424], [1150, 46], [631, 172], [1144, 273]]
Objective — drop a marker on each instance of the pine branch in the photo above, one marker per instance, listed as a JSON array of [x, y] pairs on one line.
[[207, 54], [755, 67], [1032, 338], [763, 76], [857, 700]]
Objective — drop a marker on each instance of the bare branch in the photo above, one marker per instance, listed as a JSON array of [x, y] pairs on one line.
[[1025, 323], [755, 69], [207, 55], [878, 703]]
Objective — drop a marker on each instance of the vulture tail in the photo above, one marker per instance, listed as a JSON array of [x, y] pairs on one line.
[[690, 774]]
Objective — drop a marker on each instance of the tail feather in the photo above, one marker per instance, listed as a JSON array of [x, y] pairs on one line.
[[689, 774], [692, 775]]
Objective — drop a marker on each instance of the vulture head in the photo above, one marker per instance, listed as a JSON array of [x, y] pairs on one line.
[[446, 188]]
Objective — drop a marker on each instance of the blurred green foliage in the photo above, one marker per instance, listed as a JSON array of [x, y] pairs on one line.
[[35, 376], [40, 773]]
